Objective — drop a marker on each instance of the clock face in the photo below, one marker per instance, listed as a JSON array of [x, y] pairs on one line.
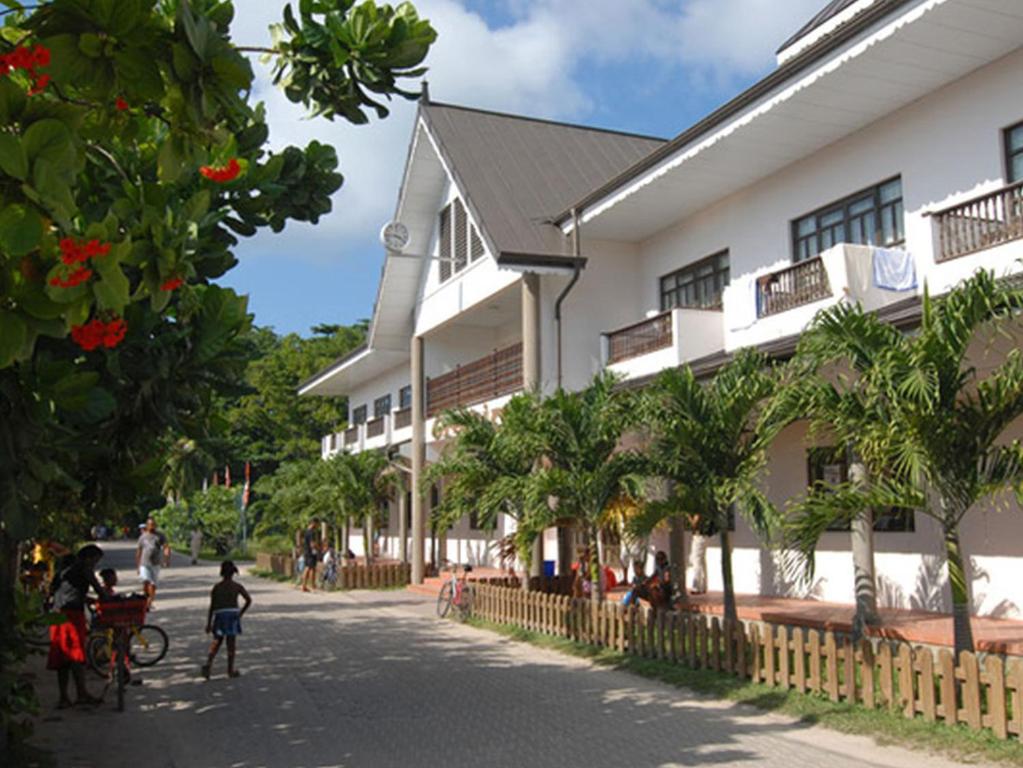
[[394, 236]]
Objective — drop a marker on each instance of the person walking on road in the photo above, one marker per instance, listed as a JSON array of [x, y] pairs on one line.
[[195, 544], [310, 554], [67, 640], [151, 554], [224, 619]]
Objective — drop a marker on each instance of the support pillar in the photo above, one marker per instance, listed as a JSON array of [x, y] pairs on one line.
[[531, 373], [418, 460], [402, 493]]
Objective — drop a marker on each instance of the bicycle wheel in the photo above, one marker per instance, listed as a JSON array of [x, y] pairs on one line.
[[97, 653], [148, 645], [444, 600], [122, 679], [465, 604]]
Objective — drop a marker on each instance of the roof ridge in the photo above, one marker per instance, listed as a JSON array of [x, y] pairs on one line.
[[543, 120]]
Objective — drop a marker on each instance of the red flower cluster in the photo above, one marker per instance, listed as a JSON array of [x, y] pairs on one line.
[[77, 277], [172, 284], [96, 333], [28, 59], [223, 174], [121, 104], [72, 253]]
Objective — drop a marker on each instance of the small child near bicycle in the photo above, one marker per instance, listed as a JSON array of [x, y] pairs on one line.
[[224, 617], [108, 577]]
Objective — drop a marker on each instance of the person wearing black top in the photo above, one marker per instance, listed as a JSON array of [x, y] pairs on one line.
[[67, 640], [310, 554]]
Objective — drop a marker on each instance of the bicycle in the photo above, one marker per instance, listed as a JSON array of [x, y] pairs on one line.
[[120, 636], [457, 593]]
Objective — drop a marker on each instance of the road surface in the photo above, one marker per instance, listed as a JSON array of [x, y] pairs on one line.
[[373, 680]]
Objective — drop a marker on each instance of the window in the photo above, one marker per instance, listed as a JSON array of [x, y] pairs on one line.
[[870, 217], [445, 243], [474, 521], [405, 397], [1014, 153], [458, 240], [381, 406], [829, 466], [461, 254], [475, 244], [698, 285], [359, 415]]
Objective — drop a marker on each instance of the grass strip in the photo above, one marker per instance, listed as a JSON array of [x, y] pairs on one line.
[[957, 742]]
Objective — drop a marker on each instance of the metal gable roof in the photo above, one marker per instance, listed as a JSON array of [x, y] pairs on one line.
[[828, 12], [517, 172]]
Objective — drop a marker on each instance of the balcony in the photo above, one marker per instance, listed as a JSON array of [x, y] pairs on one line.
[[402, 418], [791, 287], [663, 341], [980, 223], [497, 374], [351, 435], [376, 427]]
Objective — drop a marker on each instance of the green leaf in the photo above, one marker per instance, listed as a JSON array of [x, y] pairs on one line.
[[21, 228], [53, 184], [91, 45], [169, 161], [51, 139], [12, 100], [13, 333], [13, 160], [113, 290], [139, 73], [196, 32]]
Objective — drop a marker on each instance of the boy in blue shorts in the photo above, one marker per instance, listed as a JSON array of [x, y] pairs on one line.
[[224, 617]]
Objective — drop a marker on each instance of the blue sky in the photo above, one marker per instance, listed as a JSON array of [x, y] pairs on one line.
[[647, 66]]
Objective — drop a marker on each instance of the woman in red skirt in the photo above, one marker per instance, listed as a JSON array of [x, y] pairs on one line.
[[67, 640]]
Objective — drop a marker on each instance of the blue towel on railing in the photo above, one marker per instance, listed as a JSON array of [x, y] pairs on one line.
[[894, 269]]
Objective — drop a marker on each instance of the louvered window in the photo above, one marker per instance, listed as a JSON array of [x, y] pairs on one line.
[[445, 243], [475, 244], [461, 254]]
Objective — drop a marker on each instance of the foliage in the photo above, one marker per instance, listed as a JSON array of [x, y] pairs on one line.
[[710, 440], [215, 511], [939, 447], [583, 471]]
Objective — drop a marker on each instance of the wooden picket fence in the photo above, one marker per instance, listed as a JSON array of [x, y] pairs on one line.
[[376, 576], [980, 692]]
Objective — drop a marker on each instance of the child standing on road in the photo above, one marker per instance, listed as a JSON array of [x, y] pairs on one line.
[[224, 617]]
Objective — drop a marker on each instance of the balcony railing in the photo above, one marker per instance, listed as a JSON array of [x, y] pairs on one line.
[[375, 427], [639, 339], [352, 435], [403, 418], [499, 373], [802, 283], [980, 223]]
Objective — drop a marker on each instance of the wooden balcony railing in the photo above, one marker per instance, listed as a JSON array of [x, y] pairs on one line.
[[499, 373], [980, 223], [375, 427], [352, 435], [403, 418], [792, 287], [639, 339]]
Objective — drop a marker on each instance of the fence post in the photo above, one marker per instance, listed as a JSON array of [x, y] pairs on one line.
[[1014, 686], [906, 693], [799, 657], [691, 639], [740, 650], [784, 673], [673, 650], [703, 641], [867, 673], [831, 651], [754, 641], [970, 675], [715, 644], [815, 661], [994, 671], [849, 670], [925, 663], [769, 665], [884, 658]]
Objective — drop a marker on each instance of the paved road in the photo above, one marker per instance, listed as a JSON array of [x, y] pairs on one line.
[[372, 680]]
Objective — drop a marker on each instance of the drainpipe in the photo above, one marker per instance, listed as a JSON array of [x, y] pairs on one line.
[[570, 286]]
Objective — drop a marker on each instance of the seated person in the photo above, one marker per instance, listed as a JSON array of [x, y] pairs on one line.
[[637, 584], [108, 577]]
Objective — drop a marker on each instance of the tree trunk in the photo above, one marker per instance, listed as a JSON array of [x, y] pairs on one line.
[[564, 551], [962, 631], [677, 555], [731, 614], [8, 585], [598, 570], [367, 538], [862, 536]]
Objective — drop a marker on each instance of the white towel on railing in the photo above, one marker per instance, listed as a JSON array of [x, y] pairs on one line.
[[894, 269], [743, 304]]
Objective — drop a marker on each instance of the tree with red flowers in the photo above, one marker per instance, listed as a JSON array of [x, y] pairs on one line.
[[131, 161]]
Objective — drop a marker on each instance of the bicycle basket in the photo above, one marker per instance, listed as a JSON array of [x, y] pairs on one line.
[[121, 613]]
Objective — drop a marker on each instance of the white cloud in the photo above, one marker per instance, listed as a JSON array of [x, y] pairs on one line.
[[535, 64]]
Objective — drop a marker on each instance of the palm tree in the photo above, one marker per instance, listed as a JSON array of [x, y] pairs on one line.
[[364, 483], [487, 465], [831, 382], [709, 440], [941, 446], [584, 471]]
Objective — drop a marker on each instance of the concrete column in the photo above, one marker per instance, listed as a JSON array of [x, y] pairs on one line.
[[418, 460], [531, 372]]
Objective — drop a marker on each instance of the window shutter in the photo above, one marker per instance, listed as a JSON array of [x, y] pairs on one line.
[[461, 236], [445, 243], [475, 244]]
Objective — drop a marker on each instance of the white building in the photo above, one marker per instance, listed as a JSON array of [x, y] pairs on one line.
[[889, 127]]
